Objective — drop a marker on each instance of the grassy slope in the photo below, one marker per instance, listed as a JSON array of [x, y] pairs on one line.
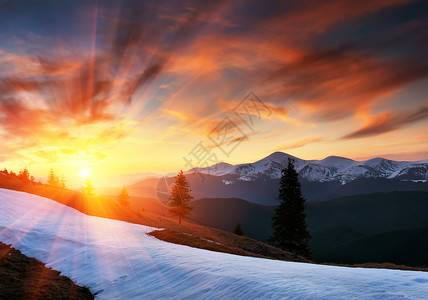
[[22, 277]]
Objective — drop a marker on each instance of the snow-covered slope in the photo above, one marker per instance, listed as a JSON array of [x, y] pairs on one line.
[[118, 260], [332, 168]]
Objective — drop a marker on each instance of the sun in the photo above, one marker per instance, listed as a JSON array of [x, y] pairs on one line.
[[84, 172]]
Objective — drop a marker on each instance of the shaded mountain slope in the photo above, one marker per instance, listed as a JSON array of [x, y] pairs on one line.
[[224, 213], [406, 247], [369, 213], [332, 223]]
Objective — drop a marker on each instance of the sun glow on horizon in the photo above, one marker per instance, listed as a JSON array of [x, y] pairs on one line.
[[84, 172]]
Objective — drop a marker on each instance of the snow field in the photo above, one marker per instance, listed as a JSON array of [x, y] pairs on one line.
[[118, 260]]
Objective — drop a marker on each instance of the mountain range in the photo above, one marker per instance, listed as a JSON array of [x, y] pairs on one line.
[[332, 168], [321, 180]]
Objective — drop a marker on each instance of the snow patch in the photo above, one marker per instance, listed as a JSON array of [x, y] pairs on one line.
[[245, 178]]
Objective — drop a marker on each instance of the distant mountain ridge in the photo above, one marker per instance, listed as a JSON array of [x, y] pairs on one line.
[[332, 168], [321, 180]]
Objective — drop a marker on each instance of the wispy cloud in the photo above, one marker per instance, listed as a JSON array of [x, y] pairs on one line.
[[300, 143], [386, 122]]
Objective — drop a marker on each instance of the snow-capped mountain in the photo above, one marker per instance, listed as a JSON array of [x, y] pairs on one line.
[[332, 168]]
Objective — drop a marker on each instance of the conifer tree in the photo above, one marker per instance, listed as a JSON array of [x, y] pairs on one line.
[[238, 229], [123, 197], [24, 175], [88, 188], [180, 197], [62, 183], [53, 179], [288, 223]]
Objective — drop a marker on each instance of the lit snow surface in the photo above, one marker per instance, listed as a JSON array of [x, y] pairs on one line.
[[118, 260]]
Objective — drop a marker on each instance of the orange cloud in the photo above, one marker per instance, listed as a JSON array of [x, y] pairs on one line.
[[386, 122], [278, 111], [336, 83], [300, 143], [193, 125]]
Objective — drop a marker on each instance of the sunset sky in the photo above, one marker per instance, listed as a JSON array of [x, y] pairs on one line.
[[120, 87]]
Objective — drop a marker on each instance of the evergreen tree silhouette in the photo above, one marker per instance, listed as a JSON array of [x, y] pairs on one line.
[[52, 178], [62, 184], [88, 188], [123, 197], [180, 197], [24, 175], [288, 223], [238, 229]]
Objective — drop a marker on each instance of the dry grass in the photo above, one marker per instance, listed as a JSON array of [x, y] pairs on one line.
[[221, 241], [22, 277]]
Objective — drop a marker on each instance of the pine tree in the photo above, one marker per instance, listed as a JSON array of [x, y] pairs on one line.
[[123, 197], [53, 179], [180, 197], [62, 183], [288, 223], [88, 188], [238, 229], [24, 175]]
